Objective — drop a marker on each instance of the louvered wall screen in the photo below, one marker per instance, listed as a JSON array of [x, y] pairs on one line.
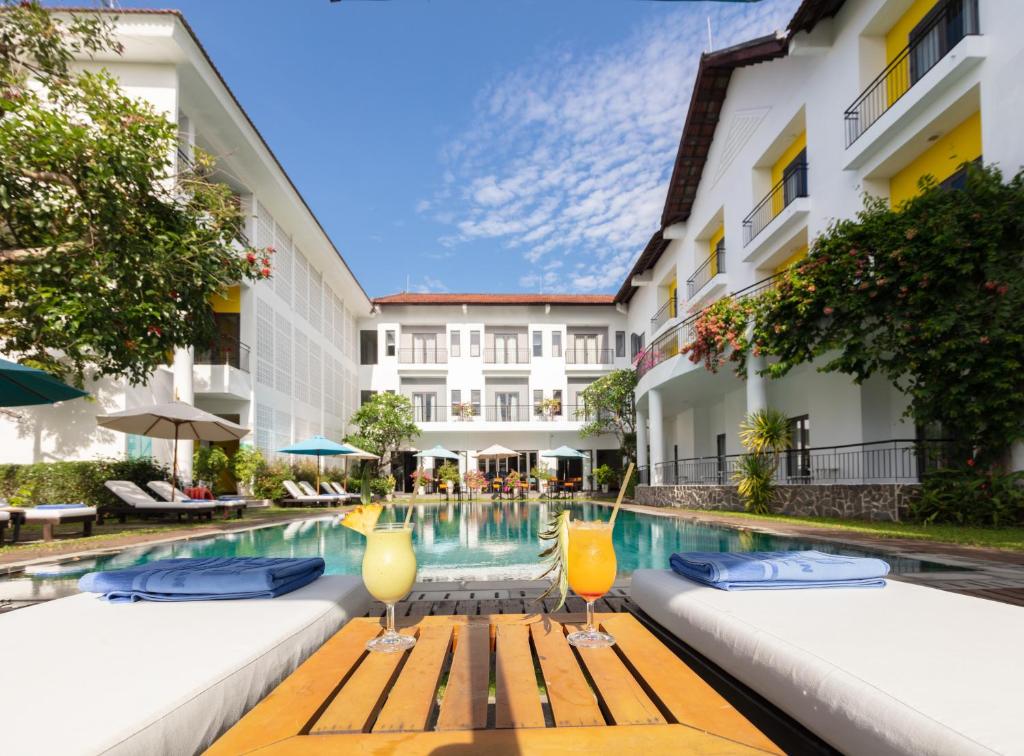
[[301, 362], [301, 287], [283, 355], [283, 263], [264, 343], [264, 428], [316, 286]]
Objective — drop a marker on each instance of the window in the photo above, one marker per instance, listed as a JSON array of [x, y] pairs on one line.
[[557, 396], [938, 32], [389, 343], [456, 339], [456, 400], [798, 458], [620, 343], [538, 397], [720, 453], [367, 347], [474, 343], [794, 178], [636, 344], [506, 349], [424, 407], [365, 397], [474, 398], [556, 343], [507, 409], [538, 344], [584, 348]]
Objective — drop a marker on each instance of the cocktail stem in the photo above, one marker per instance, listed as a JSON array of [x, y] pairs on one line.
[[590, 616], [390, 630]]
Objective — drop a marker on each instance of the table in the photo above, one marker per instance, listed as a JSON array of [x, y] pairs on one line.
[[638, 695]]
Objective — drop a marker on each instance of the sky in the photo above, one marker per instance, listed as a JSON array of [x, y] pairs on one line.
[[475, 145]]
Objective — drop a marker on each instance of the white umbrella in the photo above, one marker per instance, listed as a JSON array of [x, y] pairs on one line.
[[496, 451], [355, 453], [176, 420]]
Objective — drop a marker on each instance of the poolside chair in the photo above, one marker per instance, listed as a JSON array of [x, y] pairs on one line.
[[903, 669], [169, 493], [332, 487], [49, 519], [308, 490], [298, 496], [4, 520], [141, 503]]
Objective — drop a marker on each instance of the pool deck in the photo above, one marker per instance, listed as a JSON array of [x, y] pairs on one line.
[[993, 574]]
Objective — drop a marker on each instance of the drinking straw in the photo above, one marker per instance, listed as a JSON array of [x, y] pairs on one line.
[[408, 514], [622, 493]]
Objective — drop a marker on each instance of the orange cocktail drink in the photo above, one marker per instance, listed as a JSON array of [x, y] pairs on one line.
[[592, 570]]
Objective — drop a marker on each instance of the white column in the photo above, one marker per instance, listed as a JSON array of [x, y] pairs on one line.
[[1017, 456], [184, 391], [641, 439], [757, 385], [657, 435]]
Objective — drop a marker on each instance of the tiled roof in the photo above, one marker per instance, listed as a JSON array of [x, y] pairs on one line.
[[411, 298], [811, 12]]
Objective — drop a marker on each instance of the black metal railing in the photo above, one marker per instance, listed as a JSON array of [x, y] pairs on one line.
[[953, 20], [679, 336], [585, 356], [505, 413], [792, 186], [508, 356], [423, 356], [711, 267], [429, 414], [894, 461], [223, 350], [668, 310]]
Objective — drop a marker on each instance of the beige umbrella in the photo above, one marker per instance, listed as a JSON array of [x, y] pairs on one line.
[[497, 451], [176, 420], [354, 452]]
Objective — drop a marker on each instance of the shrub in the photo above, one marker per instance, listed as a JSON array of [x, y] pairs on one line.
[[73, 482], [269, 481], [764, 434], [245, 465], [208, 462], [383, 486], [970, 498], [604, 475]]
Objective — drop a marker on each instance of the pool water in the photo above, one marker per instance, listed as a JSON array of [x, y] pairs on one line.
[[468, 541]]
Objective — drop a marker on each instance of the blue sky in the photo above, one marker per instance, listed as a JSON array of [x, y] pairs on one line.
[[475, 145]]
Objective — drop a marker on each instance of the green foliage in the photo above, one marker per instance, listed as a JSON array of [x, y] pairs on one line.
[[384, 423], [540, 472], [448, 472], [608, 408], [208, 462], [73, 482], [930, 296], [383, 486], [605, 475], [364, 485], [971, 498], [764, 433], [720, 334], [245, 464], [268, 481], [557, 554], [106, 265]]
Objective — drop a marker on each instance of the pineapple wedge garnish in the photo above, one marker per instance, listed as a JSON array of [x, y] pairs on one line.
[[363, 518]]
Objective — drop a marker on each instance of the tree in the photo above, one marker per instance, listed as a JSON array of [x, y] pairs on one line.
[[384, 423], [608, 407], [110, 245], [765, 434]]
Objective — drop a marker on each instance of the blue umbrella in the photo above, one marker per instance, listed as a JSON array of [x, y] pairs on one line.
[[564, 452], [438, 452], [319, 446], [21, 386]]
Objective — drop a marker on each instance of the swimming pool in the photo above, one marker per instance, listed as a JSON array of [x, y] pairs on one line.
[[468, 541]]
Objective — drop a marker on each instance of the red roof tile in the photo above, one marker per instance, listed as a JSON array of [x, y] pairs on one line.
[[411, 298]]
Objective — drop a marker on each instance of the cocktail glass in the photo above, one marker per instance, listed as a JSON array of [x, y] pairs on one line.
[[389, 571], [591, 574]]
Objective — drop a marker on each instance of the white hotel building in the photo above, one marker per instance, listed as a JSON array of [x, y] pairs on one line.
[[783, 135]]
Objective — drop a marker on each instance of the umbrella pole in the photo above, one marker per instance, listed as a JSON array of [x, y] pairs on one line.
[[318, 474], [174, 467]]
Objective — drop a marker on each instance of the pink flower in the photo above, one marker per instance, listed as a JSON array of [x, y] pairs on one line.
[[828, 310]]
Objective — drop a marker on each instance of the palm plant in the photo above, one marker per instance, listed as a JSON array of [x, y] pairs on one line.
[[765, 434]]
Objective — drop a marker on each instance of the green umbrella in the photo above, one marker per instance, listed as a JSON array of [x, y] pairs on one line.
[[21, 386], [320, 447]]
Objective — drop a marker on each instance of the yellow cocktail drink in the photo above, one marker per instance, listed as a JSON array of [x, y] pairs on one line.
[[389, 571], [591, 559]]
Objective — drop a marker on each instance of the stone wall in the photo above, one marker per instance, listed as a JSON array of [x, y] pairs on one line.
[[874, 501]]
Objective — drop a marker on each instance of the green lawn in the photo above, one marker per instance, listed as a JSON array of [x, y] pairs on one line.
[[1011, 538]]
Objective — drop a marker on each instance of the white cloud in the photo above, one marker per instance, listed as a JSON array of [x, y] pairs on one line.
[[429, 285], [571, 153]]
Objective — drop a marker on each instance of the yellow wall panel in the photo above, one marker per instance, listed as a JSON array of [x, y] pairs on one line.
[[673, 290], [797, 255], [798, 144], [961, 144], [230, 300], [712, 244]]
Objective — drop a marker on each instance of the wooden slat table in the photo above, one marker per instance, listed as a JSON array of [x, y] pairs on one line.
[[496, 684]]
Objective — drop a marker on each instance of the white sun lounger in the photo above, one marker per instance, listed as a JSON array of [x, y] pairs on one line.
[[898, 670], [51, 518], [143, 504], [331, 488], [169, 493], [156, 678], [297, 496], [308, 490]]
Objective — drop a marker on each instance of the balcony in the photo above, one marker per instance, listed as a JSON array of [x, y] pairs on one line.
[[224, 350], [221, 369], [665, 313], [505, 413], [713, 266], [955, 20], [588, 357], [881, 462], [428, 414], [423, 356], [507, 356], [782, 196]]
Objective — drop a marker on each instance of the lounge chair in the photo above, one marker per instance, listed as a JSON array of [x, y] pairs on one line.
[[4, 520], [139, 684], [143, 504], [308, 490], [904, 669], [50, 519], [298, 496], [169, 493], [335, 489]]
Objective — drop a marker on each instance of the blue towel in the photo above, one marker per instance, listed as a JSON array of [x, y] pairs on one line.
[[772, 570], [230, 497], [59, 506], [209, 579]]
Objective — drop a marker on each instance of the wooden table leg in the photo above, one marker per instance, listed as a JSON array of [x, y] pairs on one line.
[[47, 531]]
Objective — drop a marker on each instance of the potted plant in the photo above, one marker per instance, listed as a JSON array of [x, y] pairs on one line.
[[604, 476], [208, 462], [462, 410], [420, 479], [474, 480], [549, 408], [384, 487], [448, 473], [513, 481], [245, 466], [543, 475]]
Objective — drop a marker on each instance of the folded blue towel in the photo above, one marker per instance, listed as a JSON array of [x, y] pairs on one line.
[[772, 570], [59, 506], [230, 497], [209, 579]]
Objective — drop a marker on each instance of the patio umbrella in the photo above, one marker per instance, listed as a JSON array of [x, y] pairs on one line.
[[496, 451], [438, 452], [21, 386], [564, 452], [176, 420], [321, 447], [355, 453]]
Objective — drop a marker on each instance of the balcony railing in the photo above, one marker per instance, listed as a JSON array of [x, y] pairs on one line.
[[428, 414], [792, 186], [714, 265], [676, 338], [954, 20], [504, 413], [223, 350], [664, 313], [423, 356], [507, 356], [586, 356], [895, 461]]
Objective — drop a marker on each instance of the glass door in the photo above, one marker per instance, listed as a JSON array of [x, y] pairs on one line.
[[586, 349], [505, 345], [507, 405], [424, 407], [424, 348], [798, 458]]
